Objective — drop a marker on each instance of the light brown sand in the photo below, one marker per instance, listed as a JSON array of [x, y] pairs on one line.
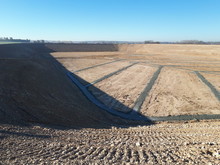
[[178, 92], [214, 79], [93, 74], [76, 64], [125, 87]]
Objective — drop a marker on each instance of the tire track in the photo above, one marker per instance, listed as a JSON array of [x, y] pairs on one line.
[[211, 87], [138, 103], [94, 66], [109, 75], [156, 144]]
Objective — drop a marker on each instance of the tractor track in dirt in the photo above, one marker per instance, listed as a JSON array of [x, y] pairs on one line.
[[96, 66], [169, 143], [206, 82]]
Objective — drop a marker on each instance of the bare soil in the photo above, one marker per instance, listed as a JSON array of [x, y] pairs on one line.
[[214, 78], [125, 87], [77, 64], [173, 51], [178, 92], [76, 55], [34, 89], [166, 143], [206, 68], [93, 74]]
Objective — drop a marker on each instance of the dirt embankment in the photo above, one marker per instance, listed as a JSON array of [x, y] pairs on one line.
[[33, 89], [82, 47]]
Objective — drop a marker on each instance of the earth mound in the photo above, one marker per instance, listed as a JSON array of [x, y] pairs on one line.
[[33, 89]]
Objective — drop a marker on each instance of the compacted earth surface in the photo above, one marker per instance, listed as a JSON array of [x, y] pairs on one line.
[[48, 116]]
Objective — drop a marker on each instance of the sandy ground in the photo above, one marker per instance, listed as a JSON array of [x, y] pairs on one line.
[[171, 143], [125, 87], [214, 79], [76, 55], [178, 92], [93, 74], [207, 68], [173, 50], [76, 64], [189, 64]]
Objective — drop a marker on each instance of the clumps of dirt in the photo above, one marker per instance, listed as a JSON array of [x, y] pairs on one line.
[[170, 143]]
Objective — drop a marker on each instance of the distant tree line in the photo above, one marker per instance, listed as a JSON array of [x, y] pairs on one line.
[[10, 39], [151, 42], [39, 41], [196, 42], [192, 42]]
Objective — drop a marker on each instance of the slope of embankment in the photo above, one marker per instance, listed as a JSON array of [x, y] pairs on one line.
[[82, 47], [33, 89]]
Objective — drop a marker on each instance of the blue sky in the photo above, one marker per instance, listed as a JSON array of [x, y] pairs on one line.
[[121, 20]]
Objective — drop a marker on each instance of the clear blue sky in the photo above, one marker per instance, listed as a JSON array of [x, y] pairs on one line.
[[122, 20]]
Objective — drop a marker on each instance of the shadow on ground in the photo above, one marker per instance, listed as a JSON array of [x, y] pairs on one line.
[[5, 133]]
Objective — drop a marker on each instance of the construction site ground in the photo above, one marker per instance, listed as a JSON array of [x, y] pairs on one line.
[[47, 119]]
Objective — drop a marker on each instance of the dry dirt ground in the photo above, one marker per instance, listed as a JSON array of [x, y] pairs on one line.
[[165, 143], [177, 91], [100, 71], [130, 83], [36, 95]]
